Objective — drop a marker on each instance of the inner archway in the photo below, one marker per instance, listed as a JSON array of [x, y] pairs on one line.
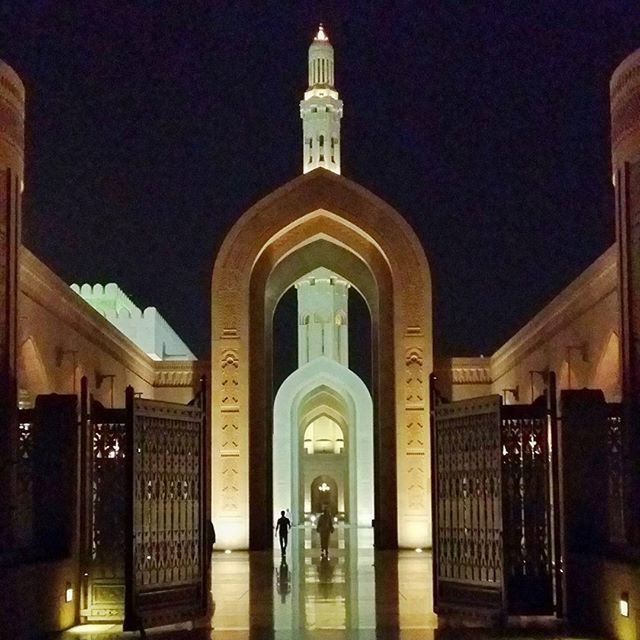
[[320, 219], [324, 388]]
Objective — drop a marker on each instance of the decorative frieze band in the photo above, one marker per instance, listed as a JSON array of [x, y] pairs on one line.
[[179, 375], [466, 375]]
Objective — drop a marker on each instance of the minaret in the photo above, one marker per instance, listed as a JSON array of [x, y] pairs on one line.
[[321, 110], [323, 303]]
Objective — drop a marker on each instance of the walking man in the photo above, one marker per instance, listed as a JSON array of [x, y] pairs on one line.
[[325, 529], [282, 531]]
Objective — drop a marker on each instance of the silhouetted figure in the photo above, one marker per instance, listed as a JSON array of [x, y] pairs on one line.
[[282, 531], [325, 529], [210, 540], [284, 581]]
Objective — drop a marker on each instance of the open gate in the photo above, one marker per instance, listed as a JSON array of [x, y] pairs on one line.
[[166, 571], [495, 507], [145, 511], [103, 433]]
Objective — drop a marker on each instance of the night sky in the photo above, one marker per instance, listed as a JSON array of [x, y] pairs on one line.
[[152, 126]]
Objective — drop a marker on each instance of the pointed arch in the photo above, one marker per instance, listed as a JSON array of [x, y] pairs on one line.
[[342, 394], [33, 378], [607, 372], [320, 219]]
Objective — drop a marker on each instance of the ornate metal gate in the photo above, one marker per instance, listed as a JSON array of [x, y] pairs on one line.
[[144, 518], [104, 433], [166, 569], [468, 547], [493, 505]]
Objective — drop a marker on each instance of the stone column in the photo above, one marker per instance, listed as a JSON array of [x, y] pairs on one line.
[[11, 177], [625, 152]]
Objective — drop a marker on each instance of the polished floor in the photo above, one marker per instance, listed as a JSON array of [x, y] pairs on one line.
[[354, 594], [304, 595]]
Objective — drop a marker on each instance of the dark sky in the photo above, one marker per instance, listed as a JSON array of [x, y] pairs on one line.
[[151, 127]]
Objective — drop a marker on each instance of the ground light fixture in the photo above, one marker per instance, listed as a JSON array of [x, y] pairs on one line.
[[227, 551], [624, 604], [418, 550]]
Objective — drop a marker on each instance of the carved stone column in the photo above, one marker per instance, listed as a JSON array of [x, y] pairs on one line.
[[11, 176], [625, 151]]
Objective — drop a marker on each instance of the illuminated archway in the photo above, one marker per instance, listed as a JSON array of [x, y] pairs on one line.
[[323, 387], [320, 219]]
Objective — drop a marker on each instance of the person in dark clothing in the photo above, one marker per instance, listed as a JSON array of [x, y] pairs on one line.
[[209, 540], [210, 537], [282, 531], [325, 529]]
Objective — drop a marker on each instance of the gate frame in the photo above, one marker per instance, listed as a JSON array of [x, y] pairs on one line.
[[555, 544], [136, 616], [126, 609]]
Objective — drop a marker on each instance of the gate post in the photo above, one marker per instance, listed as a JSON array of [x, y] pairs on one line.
[[625, 155], [131, 623], [555, 469], [435, 542], [11, 175], [86, 492]]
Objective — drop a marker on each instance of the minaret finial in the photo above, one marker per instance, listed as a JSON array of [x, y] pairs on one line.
[[321, 35], [321, 109]]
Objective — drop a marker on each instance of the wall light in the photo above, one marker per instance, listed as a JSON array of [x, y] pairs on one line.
[[624, 604], [68, 593]]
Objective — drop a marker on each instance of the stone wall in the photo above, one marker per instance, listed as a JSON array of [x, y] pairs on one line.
[[62, 338], [576, 335], [11, 175]]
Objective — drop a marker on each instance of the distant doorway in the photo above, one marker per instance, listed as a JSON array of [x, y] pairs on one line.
[[324, 495]]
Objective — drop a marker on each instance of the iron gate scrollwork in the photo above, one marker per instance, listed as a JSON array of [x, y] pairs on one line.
[[616, 474], [495, 506], [105, 498], [468, 571], [527, 508], [166, 565], [24, 476], [144, 509]]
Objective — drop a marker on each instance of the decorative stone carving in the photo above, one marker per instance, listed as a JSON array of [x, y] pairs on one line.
[[416, 488], [415, 435], [229, 382], [230, 437], [415, 380], [230, 490], [471, 375], [173, 379]]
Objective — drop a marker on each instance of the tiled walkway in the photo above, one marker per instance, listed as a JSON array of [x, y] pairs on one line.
[[355, 594]]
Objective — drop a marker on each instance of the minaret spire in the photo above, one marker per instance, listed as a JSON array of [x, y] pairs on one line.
[[321, 109]]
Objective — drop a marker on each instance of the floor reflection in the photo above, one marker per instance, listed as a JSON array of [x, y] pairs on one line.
[[354, 593]]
